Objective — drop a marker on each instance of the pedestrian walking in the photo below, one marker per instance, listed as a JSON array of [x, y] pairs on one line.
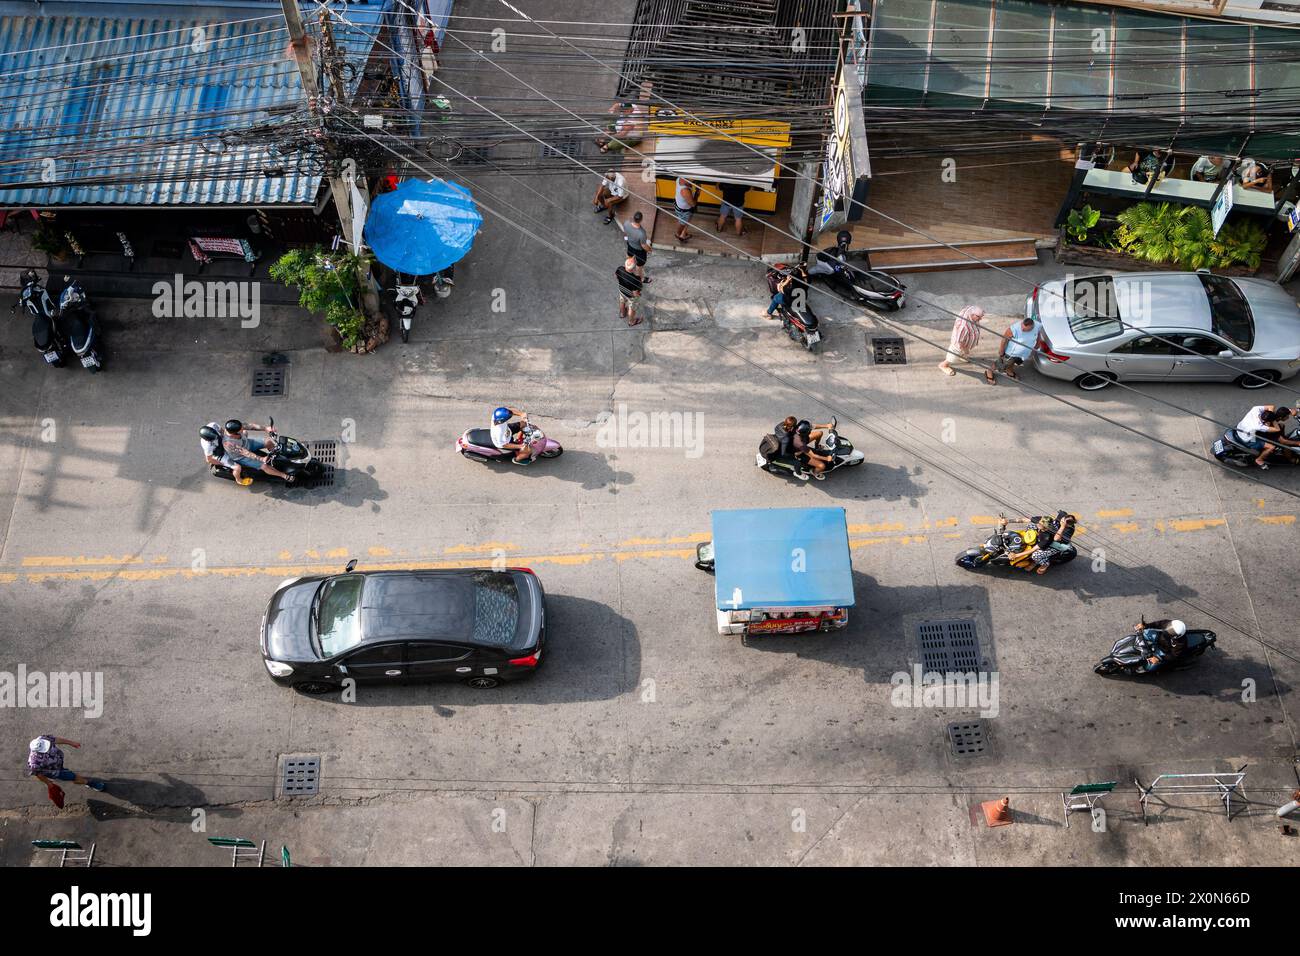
[[45, 763], [733, 202], [629, 290], [638, 243], [611, 191], [686, 197], [1018, 343], [965, 336]]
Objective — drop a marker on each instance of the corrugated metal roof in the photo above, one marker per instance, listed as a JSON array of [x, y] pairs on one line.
[[83, 98]]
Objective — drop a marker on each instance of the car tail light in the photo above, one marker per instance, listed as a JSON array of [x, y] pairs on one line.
[[532, 660], [525, 570], [1045, 346], [897, 295]]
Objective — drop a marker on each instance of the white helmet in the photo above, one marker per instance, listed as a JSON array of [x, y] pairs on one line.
[[1177, 628]]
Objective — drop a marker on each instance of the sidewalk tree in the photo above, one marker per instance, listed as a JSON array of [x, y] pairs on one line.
[[328, 283]]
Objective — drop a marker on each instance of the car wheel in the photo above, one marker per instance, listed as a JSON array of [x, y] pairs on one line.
[[483, 683], [314, 687], [1258, 379], [1094, 381]]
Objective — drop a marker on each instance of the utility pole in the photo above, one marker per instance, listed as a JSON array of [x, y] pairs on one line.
[[339, 186]]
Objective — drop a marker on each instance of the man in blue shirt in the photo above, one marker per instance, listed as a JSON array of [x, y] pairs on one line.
[[1018, 343]]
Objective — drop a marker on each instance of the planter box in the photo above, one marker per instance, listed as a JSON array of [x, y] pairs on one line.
[[1072, 254]]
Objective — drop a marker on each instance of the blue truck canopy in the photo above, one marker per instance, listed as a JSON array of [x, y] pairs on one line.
[[781, 557]]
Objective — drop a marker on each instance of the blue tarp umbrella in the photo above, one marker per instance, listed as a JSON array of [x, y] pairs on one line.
[[421, 227]]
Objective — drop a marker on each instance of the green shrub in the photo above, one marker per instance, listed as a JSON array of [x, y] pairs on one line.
[[1184, 236], [327, 282]]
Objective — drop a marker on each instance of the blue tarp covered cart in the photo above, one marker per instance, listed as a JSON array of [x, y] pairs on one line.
[[779, 570]]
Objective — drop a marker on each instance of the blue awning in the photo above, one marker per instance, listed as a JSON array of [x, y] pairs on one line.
[[782, 557], [113, 111]]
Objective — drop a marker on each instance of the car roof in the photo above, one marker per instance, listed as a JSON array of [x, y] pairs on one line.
[[1163, 299], [417, 606]]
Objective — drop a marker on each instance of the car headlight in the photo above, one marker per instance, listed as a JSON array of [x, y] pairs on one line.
[[278, 669]]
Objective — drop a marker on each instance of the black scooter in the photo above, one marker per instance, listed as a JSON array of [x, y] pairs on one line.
[[1130, 654], [286, 454], [1230, 450], [797, 319], [47, 337], [840, 450], [77, 318], [997, 551], [858, 283]]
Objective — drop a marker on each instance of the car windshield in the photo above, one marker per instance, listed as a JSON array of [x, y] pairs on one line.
[[496, 608], [1092, 308], [1229, 313], [337, 614]]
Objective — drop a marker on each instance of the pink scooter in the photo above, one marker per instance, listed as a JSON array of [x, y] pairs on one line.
[[476, 444]]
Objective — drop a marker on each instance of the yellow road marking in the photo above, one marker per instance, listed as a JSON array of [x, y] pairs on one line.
[[475, 548], [1116, 513], [1196, 524], [1276, 519], [81, 560], [379, 552], [1125, 527]]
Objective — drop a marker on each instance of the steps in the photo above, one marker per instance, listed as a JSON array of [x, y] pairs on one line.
[[934, 257]]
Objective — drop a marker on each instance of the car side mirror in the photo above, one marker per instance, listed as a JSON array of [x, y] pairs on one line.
[[1226, 353], [352, 566], [342, 669]]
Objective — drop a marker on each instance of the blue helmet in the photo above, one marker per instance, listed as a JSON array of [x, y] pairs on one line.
[[502, 414]]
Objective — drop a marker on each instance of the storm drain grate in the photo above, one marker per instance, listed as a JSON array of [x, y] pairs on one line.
[[269, 381], [889, 351], [327, 453], [968, 739], [301, 776], [949, 646], [561, 147]]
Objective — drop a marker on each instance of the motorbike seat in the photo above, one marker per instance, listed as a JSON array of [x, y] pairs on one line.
[[481, 437]]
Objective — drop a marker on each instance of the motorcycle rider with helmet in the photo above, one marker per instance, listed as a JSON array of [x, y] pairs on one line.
[[804, 441], [210, 442], [508, 435], [1168, 640], [245, 452]]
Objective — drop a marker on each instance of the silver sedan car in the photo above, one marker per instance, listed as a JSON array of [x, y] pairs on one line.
[[1165, 327]]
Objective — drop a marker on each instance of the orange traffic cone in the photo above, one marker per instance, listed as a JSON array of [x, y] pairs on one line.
[[997, 813]]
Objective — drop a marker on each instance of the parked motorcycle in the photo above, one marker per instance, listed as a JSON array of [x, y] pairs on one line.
[[840, 449], [1131, 652], [476, 443], [77, 318], [1230, 450], [47, 337], [797, 318], [405, 299], [288, 455], [997, 550], [859, 283]]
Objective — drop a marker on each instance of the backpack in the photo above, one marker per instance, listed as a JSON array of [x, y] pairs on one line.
[[774, 276], [768, 447]]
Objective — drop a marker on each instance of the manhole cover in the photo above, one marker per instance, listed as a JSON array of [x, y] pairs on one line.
[[327, 453], [967, 738], [949, 646], [301, 776], [888, 351], [269, 381], [561, 147]]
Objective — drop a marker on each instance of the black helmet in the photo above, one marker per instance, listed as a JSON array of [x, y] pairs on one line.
[[208, 433], [234, 426], [804, 428], [843, 237]]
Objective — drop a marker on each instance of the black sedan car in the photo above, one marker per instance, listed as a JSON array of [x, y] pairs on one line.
[[474, 625]]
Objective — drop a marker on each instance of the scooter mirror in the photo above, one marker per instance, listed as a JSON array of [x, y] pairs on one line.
[[270, 422], [352, 566]]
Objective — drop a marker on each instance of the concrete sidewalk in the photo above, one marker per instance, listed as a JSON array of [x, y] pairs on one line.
[[920, 823]]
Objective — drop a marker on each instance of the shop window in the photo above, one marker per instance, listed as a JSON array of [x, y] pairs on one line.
[[959, 54], [1148, 61], [899, 48], [1081, 54], [1020, 34]]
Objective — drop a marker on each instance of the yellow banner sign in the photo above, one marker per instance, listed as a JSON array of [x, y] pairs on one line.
[[754, 132]]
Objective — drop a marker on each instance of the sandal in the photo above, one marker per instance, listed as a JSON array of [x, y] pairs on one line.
[[608, 219], [989, 377], [947, 371], [634, 322]]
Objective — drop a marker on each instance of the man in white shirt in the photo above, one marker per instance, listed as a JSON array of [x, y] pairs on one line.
[[1207, 169], [611, 191], [1262, 422]]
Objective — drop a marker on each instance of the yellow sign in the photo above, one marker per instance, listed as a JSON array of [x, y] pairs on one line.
[[754, 132]]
